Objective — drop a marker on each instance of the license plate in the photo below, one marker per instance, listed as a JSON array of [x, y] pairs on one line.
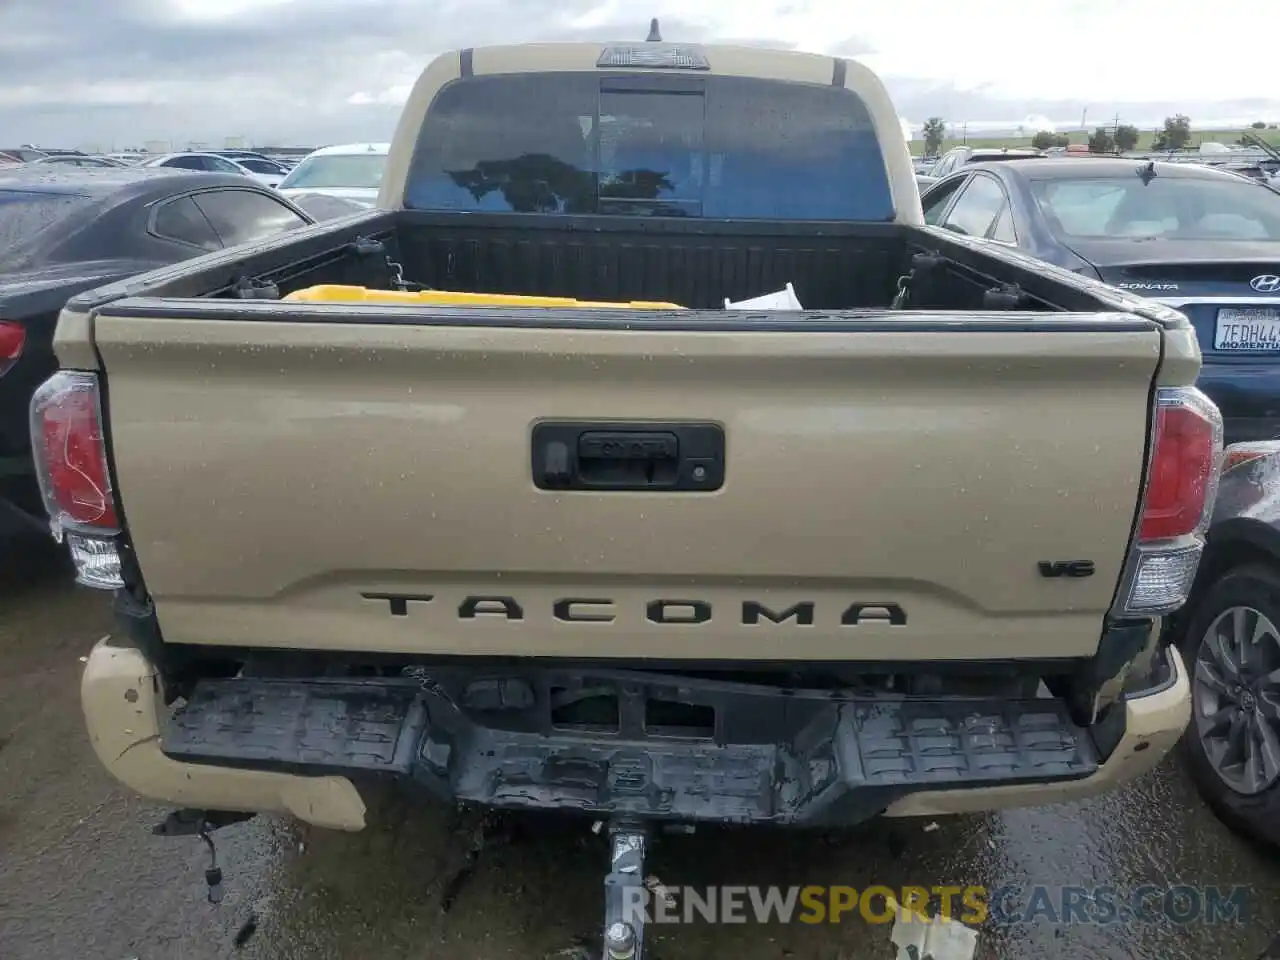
[[1248, 328]]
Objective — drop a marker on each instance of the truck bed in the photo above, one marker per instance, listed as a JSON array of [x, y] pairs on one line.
[[832, 266], [841, 267]]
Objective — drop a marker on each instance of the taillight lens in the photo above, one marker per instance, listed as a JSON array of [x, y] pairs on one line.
[[13, 337], [1184, 467], [1178, 499], [71, 455]]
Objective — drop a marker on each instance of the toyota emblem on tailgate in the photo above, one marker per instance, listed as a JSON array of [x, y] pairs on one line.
[[1266, 283]]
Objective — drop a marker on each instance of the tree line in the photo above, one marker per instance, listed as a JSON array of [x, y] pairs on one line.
[[1175, 135]]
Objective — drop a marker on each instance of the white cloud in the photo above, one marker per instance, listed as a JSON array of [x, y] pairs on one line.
[[1104, 52], [215, 10], [1056, 49], [396, 95], [106, 92], [324, 70], [1118, 51], [1047, 49]]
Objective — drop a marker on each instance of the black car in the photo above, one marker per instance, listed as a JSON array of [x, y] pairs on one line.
[[1204, 241], [68, 229], [1229, 635]]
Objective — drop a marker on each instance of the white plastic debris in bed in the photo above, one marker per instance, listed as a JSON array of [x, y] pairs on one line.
[[784, 299]]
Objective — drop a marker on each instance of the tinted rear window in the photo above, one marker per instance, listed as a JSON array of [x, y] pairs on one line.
[[1171, 208], [715, 147], [24, 214]]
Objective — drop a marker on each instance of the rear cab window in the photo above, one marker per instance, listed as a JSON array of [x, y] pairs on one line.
[[650, 145]]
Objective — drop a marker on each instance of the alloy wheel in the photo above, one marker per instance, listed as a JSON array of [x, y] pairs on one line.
[[1236, 699]]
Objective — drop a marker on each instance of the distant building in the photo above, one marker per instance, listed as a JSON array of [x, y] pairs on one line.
[[283, 151]]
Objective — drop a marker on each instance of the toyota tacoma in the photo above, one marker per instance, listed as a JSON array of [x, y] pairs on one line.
[[369, 516]]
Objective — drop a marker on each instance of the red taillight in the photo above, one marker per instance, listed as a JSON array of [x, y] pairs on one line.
[[13, 337], [1184, 467], [70, 454], [1181, 486]]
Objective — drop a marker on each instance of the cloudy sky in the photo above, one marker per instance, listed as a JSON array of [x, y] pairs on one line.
[[116, 73]]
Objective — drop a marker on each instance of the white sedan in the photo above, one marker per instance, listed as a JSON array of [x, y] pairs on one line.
[[264, 171]]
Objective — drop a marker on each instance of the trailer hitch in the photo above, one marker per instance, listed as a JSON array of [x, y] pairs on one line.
[[624, 891]]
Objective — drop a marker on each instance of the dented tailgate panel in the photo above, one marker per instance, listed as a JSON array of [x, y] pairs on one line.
[[889, 491]]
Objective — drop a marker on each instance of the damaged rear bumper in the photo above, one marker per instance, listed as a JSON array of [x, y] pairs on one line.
[[765, 756], [120, 696]]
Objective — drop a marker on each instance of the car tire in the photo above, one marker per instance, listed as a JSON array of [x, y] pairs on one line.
[[1245, 802]]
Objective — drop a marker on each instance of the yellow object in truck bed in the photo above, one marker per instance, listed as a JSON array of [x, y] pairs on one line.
[[339, 293]]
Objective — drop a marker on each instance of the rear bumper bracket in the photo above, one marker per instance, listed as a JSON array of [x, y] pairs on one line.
[[822, 759]]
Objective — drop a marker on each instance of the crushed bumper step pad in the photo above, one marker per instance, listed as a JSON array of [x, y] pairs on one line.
[[312, 727], [850, 760]]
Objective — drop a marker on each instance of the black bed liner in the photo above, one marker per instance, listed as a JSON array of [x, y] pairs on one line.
[[842, 265], [832, 265], [766, 756]]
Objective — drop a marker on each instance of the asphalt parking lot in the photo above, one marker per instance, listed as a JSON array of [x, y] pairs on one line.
[[81, 876]]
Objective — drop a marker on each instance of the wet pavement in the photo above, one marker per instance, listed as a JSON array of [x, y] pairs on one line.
[[82, 878]]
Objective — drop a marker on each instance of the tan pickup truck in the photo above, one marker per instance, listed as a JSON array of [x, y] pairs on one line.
[[899, 552]]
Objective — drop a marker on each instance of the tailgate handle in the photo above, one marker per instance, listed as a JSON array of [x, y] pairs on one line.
[[650, 456], [627, 446], [630, 460]]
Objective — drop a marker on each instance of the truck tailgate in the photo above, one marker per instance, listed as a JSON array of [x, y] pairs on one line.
[[891, 489]]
